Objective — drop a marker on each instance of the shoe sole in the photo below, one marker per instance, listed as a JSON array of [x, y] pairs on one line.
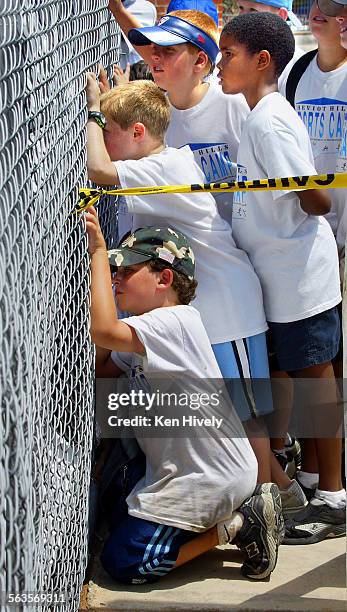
[[271, 502], [322, 533]]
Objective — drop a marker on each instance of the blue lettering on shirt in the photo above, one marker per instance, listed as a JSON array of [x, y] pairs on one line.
[[214, 160], [323, 118]]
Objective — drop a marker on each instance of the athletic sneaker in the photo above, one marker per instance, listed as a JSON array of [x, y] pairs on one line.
[[294, 451], [286, 462], [314, 524], [293, 499], [308, 492], [259, 536]]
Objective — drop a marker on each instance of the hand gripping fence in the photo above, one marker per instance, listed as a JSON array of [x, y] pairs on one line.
[[46, 387]]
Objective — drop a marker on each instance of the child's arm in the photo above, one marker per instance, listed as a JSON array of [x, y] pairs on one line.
[[314, 201], [127, 21], [101, 170], [105, 328], [104, 365]]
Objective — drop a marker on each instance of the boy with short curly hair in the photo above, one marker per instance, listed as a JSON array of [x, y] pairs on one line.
[[289, 242]]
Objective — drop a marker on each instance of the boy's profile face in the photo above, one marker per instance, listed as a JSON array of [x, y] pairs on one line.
[[136, 288], [236, 66], [172, 66], [324, 29], [118, 142]]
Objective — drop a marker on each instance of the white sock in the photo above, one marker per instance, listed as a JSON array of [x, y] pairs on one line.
[[228, 529], [334, 499], [308, 479]]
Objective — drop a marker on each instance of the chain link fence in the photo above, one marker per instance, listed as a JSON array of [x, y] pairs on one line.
[[46, 356]]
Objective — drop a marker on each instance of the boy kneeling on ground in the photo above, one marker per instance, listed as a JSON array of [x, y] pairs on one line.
[[196, 492]]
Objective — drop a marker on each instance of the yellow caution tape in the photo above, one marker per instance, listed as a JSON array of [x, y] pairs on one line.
[[89, 197]]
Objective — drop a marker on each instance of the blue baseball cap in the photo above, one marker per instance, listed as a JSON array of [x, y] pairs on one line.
[[175, 31], [287, 4], [204, 6]]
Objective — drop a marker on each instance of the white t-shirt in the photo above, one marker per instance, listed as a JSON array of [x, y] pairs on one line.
[[321, 102], [212, 130], [229, 296], [340, 195], [190, 482], [293, 253]]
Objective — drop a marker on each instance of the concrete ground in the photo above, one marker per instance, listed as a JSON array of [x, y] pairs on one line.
[[306, 578]]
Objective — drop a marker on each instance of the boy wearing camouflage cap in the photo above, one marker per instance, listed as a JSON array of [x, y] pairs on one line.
[[197, 491]]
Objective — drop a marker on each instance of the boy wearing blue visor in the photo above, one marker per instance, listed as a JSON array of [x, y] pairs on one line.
[[172, 30], [181, 52]]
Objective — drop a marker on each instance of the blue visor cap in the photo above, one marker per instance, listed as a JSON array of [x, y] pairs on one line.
[[175, 31]]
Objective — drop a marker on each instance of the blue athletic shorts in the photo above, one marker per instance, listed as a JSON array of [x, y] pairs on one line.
[[139, 551], [244, 365], [301, 344]]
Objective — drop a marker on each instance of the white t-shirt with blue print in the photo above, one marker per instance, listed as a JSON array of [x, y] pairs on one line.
[[212, 130], [293, 253], [321, 102]]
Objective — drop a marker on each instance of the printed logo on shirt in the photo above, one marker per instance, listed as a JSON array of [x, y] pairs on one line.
[[341, 165], [324, 119], [214, 160], [239, 204]]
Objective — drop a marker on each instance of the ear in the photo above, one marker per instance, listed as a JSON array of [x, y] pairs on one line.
[[283, 12], [139, 131], [201, 60], [165, 279], [264, 59]]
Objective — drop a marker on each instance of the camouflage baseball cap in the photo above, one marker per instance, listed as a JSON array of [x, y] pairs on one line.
[[155, 243]]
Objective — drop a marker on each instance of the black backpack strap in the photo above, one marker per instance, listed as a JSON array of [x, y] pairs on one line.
[[296, 73]]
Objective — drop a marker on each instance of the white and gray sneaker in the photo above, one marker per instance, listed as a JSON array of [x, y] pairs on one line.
[[260, 534], [293, 500]]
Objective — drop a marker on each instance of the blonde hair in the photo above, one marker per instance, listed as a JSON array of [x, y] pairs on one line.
[[202, 21], [138, 101]]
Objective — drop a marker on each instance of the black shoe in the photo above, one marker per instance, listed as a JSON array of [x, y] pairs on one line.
[[287, 463], [314, 524], [260, 534], [293, 451]]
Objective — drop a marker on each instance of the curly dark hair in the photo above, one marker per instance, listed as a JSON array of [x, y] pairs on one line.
[[184, 287], [263, 31]]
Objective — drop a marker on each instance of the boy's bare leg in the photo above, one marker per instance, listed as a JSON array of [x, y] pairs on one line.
[[328, 450], [259, 440], [262, 451], [198, 546], [278, 475], [309, 460], [278, 421]]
